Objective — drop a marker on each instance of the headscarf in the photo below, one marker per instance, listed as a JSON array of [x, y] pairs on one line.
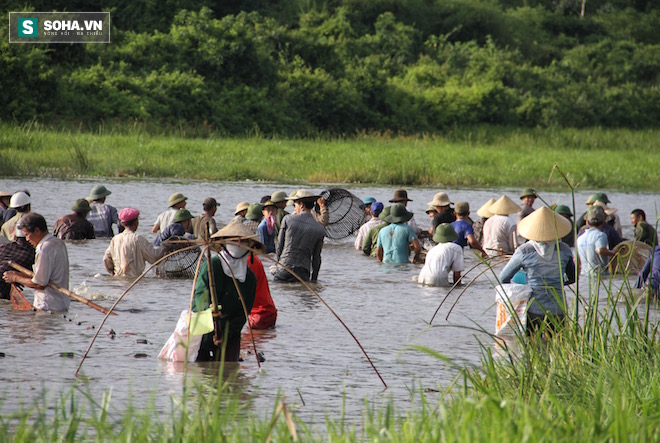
[[271, 221], [545, 249], [234, 259]]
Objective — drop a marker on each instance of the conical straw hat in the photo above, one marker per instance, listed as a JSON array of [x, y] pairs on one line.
[[504, 206], [544, 225], [237, 231], [483, 210]]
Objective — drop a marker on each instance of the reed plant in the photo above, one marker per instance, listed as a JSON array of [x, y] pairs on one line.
[[595, 380], [482, 156]]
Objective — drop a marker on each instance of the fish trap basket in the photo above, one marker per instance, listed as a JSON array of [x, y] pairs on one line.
[[346, 213], [179, 264], [631, 257]]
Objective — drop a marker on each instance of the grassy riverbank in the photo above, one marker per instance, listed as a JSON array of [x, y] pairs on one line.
[[465, 157], [597, 381]]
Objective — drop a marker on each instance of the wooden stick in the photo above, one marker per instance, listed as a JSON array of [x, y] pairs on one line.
[[62, 290], [114, 305]]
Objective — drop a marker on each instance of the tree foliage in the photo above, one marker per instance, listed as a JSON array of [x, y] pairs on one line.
[[304, 67]]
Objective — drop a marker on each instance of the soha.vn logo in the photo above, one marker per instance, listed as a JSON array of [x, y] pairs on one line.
[[28, 27]]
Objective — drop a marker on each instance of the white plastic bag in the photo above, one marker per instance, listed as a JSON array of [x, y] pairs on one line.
[[178, 347], [511, 297]]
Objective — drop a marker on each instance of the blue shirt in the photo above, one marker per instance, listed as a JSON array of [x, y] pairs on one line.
[[463, 229], [102, 217], [175, 229], [395, 240], [613, 237], [652, 266], [267, 239], [587, 244], [544, 276]]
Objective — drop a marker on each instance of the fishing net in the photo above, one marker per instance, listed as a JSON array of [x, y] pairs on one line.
[[18, 302], [346, 213], [631, 257], [179, 264]]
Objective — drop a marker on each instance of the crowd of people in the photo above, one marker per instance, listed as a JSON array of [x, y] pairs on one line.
[[295, 239]]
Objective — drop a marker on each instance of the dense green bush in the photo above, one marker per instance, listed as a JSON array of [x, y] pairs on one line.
[[344, 66]]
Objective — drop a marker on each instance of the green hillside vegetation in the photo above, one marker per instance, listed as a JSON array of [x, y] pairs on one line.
[[304, 67]]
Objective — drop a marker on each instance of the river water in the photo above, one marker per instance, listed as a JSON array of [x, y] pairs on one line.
[[310, 359]]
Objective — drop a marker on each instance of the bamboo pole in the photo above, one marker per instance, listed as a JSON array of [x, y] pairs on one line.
[[62, 290]]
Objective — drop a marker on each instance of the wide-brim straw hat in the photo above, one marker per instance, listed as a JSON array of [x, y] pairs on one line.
[[440, 199], [175, 198], [483, 210], [304, 194], [400, 195], [97, 192], [385, 213], [292, 194], [236, 231], [398, 214], [242, 206], [81, 205], [544, 225], [279, 196], [444, 233], [504, 206], [608, 210]]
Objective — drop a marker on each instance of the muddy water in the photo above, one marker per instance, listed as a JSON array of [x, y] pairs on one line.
[[310, 358]]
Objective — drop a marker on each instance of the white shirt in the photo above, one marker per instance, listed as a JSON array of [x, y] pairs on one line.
[[413, 224], [498, 235], [364, 230], [51, 264], [165, 218], [441, 259], [127, 253]]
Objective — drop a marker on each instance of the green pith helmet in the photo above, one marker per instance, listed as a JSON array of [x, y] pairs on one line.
[[254, 212], [528, 192], [563, 210], [175, 198], [602, 197], [182, 215], [444, 233], [398, 214], [598, 197], [98, 192], [81, 205]]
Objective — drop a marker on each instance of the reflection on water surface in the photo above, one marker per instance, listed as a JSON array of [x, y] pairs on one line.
[[309, 358]]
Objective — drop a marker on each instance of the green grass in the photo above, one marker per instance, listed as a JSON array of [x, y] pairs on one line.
[[597, 381], [464, 157]]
